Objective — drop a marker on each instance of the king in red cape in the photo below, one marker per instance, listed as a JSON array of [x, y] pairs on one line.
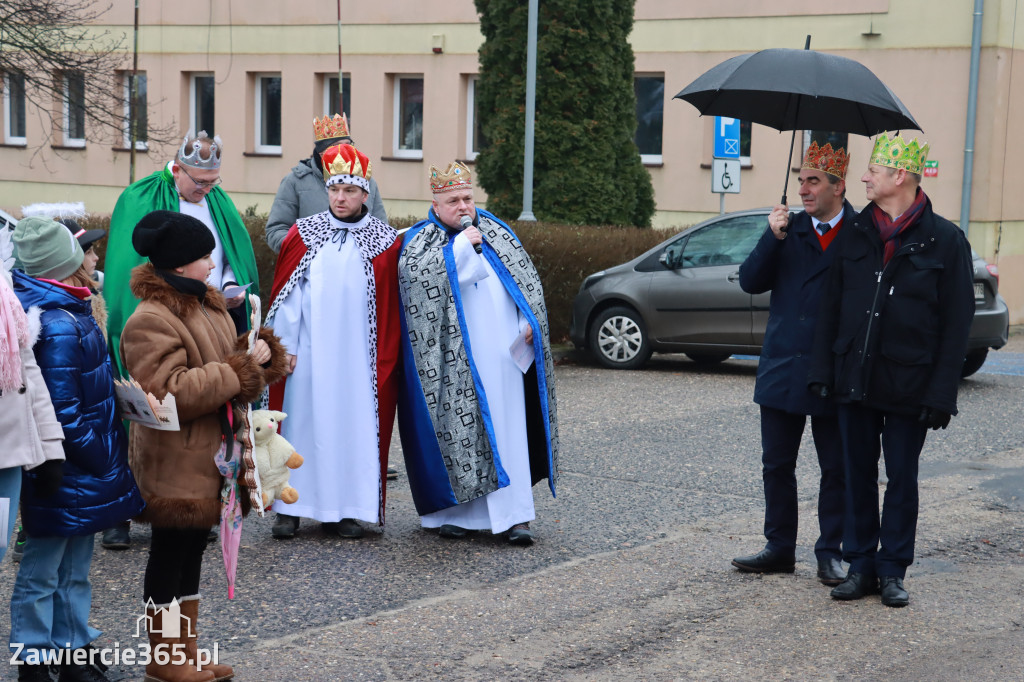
[[335, 306]]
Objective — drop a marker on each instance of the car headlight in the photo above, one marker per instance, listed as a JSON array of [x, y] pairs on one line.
[[592, 280]]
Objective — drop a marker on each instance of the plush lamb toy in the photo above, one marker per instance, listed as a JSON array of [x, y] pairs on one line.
[[274, 457]]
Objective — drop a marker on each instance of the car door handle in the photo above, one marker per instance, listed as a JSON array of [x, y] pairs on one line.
[[734, 276]]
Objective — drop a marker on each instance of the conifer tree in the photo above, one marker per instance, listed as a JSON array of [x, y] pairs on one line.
[[587, 167]]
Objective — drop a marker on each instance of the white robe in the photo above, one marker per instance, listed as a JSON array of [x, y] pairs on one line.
[[332, 420], [222, 272], [493, 323]]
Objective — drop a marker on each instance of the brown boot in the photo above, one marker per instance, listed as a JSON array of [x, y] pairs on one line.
[[174, 670], [220, 672]]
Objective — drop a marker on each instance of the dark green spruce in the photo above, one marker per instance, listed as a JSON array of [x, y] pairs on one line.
[[587, 166]]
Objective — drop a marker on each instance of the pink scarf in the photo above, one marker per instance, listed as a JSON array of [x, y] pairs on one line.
[[13, 336]]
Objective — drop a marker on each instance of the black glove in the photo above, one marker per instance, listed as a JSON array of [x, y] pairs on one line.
[[819, 389], [48, 477], [934, 419]]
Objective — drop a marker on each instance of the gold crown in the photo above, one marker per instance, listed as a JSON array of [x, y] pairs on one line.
[[827, 160], [330, 128], [895, 152], [455, 176]]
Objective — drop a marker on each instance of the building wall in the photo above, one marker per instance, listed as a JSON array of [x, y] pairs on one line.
[[920, 48]]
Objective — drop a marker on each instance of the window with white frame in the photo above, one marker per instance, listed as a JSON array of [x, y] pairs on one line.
[[408, 123], [74, 109], [14, 108], [135, 101], [268, 114], [746, 129], [201, 103], [650, 110], [330, 106], [823, 137], [475, 139]]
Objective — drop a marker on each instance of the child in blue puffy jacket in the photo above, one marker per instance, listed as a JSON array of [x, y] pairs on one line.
[[52, 595]]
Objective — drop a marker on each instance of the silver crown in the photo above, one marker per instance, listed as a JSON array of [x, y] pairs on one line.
[[191, 152]]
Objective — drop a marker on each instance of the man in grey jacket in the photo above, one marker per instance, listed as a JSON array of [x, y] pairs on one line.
[[302, 192]]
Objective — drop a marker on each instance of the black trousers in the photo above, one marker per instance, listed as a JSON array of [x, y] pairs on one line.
[[882, 546], [781, 433], [175, 560]]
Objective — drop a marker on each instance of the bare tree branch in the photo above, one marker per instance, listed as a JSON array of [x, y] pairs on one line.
[[49, 42]]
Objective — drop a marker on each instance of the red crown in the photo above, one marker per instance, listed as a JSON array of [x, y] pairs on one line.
[[344, 163], [825, 159]]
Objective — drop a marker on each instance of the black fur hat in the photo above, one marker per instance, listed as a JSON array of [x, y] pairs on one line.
[[170, 239]]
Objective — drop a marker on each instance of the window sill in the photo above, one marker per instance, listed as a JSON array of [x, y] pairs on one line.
[[65, 147], [269, 155], [416, 159], [14, 145], [138, 150]]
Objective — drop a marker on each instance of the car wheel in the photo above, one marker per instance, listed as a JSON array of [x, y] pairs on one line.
[[709, 358], [973, 362], [619, 339]]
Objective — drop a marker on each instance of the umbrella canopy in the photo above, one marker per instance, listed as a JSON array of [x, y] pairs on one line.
[[790, 89]]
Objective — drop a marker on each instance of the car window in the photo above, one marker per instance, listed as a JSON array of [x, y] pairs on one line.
[[725, 243]]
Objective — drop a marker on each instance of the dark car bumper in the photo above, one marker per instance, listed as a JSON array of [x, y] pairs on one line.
[[991, 327], [581, 307]]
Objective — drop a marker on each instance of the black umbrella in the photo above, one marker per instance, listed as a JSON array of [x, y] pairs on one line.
[[799, 90]]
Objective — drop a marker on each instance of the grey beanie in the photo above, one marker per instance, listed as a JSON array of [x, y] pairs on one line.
[[45, 249]]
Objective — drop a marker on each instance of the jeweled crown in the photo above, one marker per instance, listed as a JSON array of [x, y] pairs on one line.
[[895, 152], [456, 176], [827, 160], [329, 128], [343, 163], [191, 152]]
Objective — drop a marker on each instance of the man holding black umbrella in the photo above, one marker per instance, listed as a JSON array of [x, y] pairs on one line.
[[792, 261], [890, 347]]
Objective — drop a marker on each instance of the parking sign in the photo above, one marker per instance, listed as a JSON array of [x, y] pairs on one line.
[[727, 137]]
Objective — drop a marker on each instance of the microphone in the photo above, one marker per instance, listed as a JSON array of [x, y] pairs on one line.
[[465, 221]]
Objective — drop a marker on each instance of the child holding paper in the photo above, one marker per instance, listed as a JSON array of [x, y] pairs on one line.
[[52, 595], [181, 340]]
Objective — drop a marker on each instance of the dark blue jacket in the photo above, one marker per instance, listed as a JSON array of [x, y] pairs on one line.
[[794, 269], [98, 490], [896, 335]]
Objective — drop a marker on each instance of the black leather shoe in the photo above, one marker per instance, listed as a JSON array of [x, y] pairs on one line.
[[520, 534], [855, 586], [830, 571], [452, 532], [118, 537], [349, 528], [893, 593], [284, 526], [766, 561], [37, 672]]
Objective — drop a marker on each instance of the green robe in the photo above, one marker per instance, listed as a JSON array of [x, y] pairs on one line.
[[152, 193]]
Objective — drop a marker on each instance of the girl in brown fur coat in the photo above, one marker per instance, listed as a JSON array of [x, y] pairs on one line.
[[181, 340]]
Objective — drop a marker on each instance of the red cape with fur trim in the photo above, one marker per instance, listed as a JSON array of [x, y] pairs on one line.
[[385, 275]]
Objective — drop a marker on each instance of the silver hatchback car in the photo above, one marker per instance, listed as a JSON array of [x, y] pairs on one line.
[[684, 296]]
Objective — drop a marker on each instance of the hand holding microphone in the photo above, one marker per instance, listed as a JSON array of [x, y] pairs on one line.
[[472, 234]]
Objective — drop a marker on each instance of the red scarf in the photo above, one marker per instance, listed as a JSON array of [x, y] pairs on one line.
[[890, 230]]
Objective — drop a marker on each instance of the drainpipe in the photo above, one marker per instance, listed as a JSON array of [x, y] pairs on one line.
[[531, 99], [972, 115]]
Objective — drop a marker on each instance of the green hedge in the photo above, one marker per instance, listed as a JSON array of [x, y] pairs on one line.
[[563, 254]]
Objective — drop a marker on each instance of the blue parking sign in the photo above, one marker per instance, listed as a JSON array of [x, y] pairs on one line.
[[727, 137]]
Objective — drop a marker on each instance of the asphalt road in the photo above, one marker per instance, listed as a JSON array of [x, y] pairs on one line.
[[630, 578]]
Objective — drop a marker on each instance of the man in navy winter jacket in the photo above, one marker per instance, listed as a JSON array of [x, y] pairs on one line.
[[792, 260]]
